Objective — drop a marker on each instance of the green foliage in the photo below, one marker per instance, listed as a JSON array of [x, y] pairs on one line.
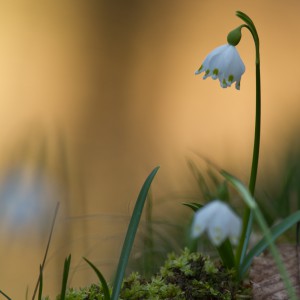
[[40, 283], [102, 280], [131, 232], [269, 235], [65, 277], [262, 245], [158, 236], [128, 243], [93, 292], [189, 276]]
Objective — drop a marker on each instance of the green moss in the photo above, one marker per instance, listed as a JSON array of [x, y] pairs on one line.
[[189, 276], [93, 292]]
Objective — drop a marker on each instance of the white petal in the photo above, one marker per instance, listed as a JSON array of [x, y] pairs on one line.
[[227, 61], [199, 224], [232, 66], [207, 61], [218, 229], [202, 218], [235, 229]]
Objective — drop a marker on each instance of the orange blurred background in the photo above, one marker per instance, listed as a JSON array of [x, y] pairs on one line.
[[95, 94]]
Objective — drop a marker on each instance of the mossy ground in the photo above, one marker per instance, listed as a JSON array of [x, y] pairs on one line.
[[188, 276]]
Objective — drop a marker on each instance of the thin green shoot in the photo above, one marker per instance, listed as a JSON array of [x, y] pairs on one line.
[[40, 284], [47, 248], [262, 245], [65, 277], [131, 232], [105, 287]]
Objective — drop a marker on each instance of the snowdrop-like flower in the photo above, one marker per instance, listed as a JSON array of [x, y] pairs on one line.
[[219, 221], [223, 63]]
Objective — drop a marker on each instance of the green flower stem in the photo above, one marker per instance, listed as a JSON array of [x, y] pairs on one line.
[[248, 215]]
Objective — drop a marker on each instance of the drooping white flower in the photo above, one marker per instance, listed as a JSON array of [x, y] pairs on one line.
[[219, 221], [223, 63]]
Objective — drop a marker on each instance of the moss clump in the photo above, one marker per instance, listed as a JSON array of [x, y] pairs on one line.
[[92, 292], [189, 276]]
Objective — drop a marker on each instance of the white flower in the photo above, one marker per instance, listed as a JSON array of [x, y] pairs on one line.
[[225, 64], [219, 221]]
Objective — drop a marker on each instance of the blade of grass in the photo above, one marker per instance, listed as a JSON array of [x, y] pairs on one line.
[[130, 235], [275, 231], [2, 293], [65, 278], [40, 284], [102, 280], [226, 253], [47, 248], [193, 205]]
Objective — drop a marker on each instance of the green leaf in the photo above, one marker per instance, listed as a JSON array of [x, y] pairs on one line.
[[276, 231], [226, 254], [245, 18], [130, 235], [47, 248], [40, 283], [65, 278], [193, 205], [102, 280]]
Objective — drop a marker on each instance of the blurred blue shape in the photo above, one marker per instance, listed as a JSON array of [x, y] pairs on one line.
[[25, 199]]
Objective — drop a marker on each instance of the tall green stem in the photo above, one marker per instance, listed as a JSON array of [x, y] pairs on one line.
[[248, 215]]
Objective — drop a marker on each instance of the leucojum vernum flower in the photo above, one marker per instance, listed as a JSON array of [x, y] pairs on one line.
[[223, 227], [223, 63], [219, 221]]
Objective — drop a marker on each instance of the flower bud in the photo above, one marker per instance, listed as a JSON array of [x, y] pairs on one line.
[[234, 36]]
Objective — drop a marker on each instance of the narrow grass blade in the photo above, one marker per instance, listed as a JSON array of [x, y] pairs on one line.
[[47, 248], [41, 283], [193, 205], [102, 280], [275, 231], [2, 293], [244, 17], [131, 231], [65, 278], [226, 254]]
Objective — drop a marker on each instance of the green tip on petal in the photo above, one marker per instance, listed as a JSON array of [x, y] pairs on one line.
[[199, 70], [230, 78], [215, 74], [234, 36]]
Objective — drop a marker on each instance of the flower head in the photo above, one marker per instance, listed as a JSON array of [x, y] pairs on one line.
[[219, 221], [223, 63]]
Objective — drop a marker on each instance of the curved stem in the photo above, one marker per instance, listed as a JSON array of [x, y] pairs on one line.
[[248, 216]]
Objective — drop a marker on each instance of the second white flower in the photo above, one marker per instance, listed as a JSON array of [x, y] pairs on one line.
[[219, 221]]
